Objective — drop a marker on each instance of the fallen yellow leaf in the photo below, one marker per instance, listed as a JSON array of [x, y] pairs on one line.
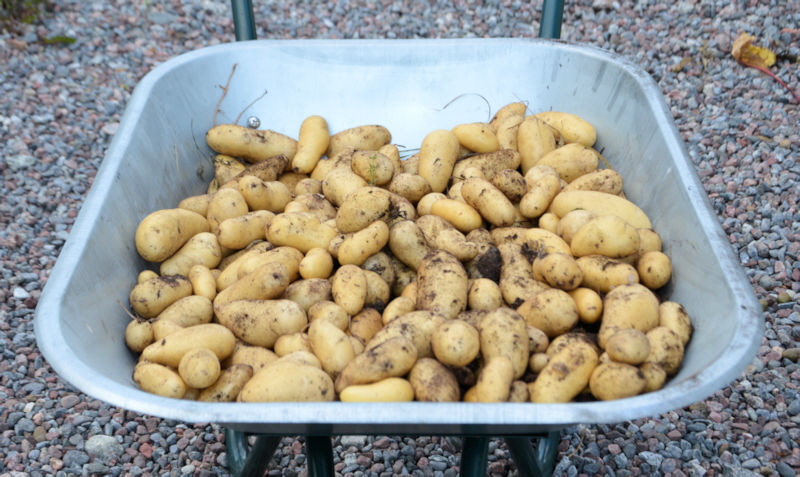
[[757, 57]]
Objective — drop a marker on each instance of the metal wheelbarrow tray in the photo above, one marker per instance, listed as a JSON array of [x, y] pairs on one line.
[[159, 156]]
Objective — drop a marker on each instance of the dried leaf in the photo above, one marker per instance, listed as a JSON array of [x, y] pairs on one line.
[[757, 57]]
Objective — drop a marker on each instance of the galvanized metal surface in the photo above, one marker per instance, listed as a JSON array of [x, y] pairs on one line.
[[158, 157]]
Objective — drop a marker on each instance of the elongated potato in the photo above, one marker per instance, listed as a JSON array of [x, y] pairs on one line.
[[187, 311], [655, 269], [534, 139], [398, 307], [138, 335], [603, 180], [196, 203], [203, 281], [418, 326], [290, 257], [312, 143], [571, 161], [227, 387], [666, 349], [463, 216], [299, 230], [163, 232], [265, 283], [490, 164], [262, 322], [589, 303], [159, 379], [607, 235], [442, 284], [392, 358], [368, 137], [570, 127], [202, 249], [385, 390], [514, 109], [361, 208], [489, 201], [365, 324], [308, 291], [507, 131], [433, 382], [444, 236], [601, 273], [511, 183], [358, 246], [349, 288], [437, 157], [517, 283], [477, 137], [674, 316], [566, 373], [494, 380], [600, 203], [152, 296], [559, 270], [251, 145], [503, 332], [170, 349], [256, 357], [288, 381], [331, 345], [408, 243], [341, 182], [225, 203], [264, 195], [614, 380]]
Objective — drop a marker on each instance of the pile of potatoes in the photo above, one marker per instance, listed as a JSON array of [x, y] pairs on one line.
[[500, 262]]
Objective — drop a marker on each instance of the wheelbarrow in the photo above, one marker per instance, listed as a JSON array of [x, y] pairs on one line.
[[158, 157]]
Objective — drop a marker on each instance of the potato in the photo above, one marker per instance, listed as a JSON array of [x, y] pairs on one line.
[[571, 128], [489, 201], [486, 263], [368, 137], [654, 376], [614, 380], [484, 294], [203, 281], [365, 324], [339, 183], [301, 231], [262, 322], [418, 326], [307, 292], [437, 157], [256, 357], [553, 311], [571, 161], [494, 379], [511, 183], [268, 170], [196, 203], [288, 381], [358, 246], [566, 373], [600, 203], [170, 349], [455, 342], [199, 368], [559, 270], [675, 317], [138, 335], [426, 202], [266, 282], [655, 269], [393, 153], [603, 180], [628, 346], [373, 167], [489, 164], [292, 343], [509, 110], [385, 390], [317, 263], [412, 187], [270, 196], [589, 303], [543, 184], [392, 358], [477, 137], [570, 223], [628, 306], [163, 328], [152, 296], [331, 345], [202, 249], [537, 363], [461, 215], [666, 349], [508, 130], [517, 283], [307, 186], [602, 274], [287, 256], [250, 144], [330, 311], [159, 379], [225, 203], [433, 382], [607, 235], [188, 311], [349, 288], [145, 275], [362, 208], [649, 241], [227, 387], [312, 143], [542, 242], [503, 332], [163, 232], [534, 139], [442, 235], [378, 291], [397, 307], [442, 284]]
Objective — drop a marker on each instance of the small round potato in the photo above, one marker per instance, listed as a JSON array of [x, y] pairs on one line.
[[655, 269], [614, 380], [199, 368], [628, 346], [455, 343], [317, 263]]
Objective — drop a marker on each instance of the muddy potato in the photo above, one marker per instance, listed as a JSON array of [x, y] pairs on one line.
[[138, 335], [433, 382], [654, 376], [455, 343], [412, 187], [287, 256], [378, 291], [267, 282], [628, 306], [225, 204], [511, 183], [203, 281], [442, 235], [159, 379], [600, 203], [602, 274], [152, 296], [486, 263], [518, 392], [202, 249], [359, 246], [655, 269], [675, 317], [504, 332], [381, 263], [373, 167], [288, 381], [484, 294], [306, 292], [494, 379], [489, 201], [397, 307], [553, 311], [349, 288], [543, 183], [170, 349], [614, 380], [163, 232], [538, 340], [199, 368], [262, 322], [392, 358], [541, 242], [517, 283], [589, 303], [369, 137], [559, 270], [566, 373], [442, 284], [299, 230], [362, 208], [145, 275], [607, 235], [418, 326], [666, 349], [256, 357], [269, 196], [250, 144], [628, 346], [437, 157], [489, 164], [365, 324], [386, 390], [187, 311], [330, 311]]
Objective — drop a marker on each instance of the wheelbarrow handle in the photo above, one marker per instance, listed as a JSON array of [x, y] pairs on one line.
[[245, 25]]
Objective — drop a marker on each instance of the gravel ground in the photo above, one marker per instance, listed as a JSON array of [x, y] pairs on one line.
[[60, 103]]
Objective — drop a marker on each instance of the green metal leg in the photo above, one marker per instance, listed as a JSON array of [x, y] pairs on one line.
[[319, 451], [552, 17], [538, 462], [474, 455], [243, 20], [249, 461]]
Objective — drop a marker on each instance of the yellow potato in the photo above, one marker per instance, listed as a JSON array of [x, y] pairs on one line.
[[418, 326], [649, 241], [628, 346], [349, 288], [511, 183], [331, 345], [571, 161], [601, 273], [262, 322], [654, 376], [225, 203], [489, 164], [484, 294], [170, 349], [312, 143], [226, 388], [138, 335], [655, 269], [368, 137], [455, 343], [542, 242], [373, 167], [566, 373], [537, 363], [358, 246], [477, 137], [600, 203], [308, 291], [489, 201], [412, 187], [534, 139], [329, 311], [188, 311], [614, 380], [341, 182], [570, 127], [666, 349], [267, 282], [226, 168], [292, 343], [570, 223], [264, 195], [442, 284], [408, 243], [437, 157], [517, 283], [503, 332], [361, 208], [553, 311], [152, 296], [442, 235], [203, 281], [463, 216], [392, 358], [559, 270], [603, 180], [196, 203], [607, 235], [307, 185], [199, 368], [628, 306], [288, 381], [287, 256], [299, 230], [381, 263], [433, 382], [378, 291], [256, 357], [519, 392], [589, 303], [365, 324], [202, 249], [159, 379], [251, 145], [317, 263], [508, 130], [537, 340], [494, 379], [514, 109], [674, 316], [385, 390], [397, 307], [163, 232]]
